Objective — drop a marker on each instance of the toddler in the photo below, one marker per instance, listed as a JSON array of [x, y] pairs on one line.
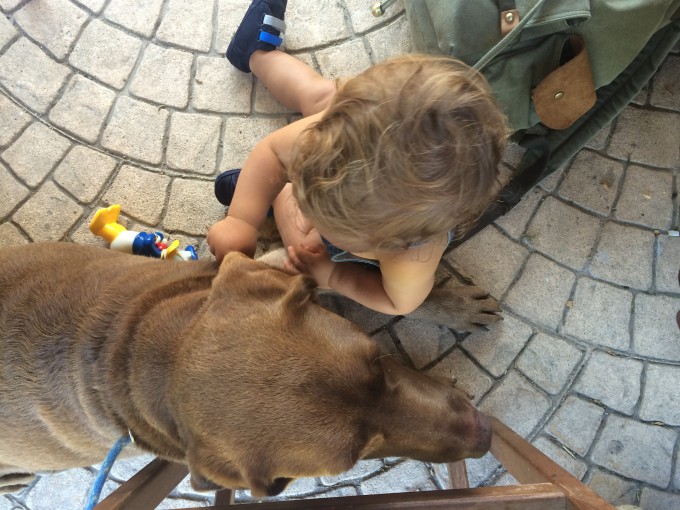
[[382, 170]]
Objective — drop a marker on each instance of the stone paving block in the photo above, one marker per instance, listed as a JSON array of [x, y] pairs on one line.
[[159, 68], [107, 53], [220, 87], [600, 314], [496, 349], [661, 394], [390, 41], [229, 16], [624, 255], [139, 16], [421, 340], [646, 137], [192, 145], [576, 467], [361, 469], [7, 504], [12, 120], [659, 500], [141, 194], [489, 249], [646, 198], [549, 361], [563, 232], [541, 292], [576, 423], [94, 5], [515, 221], [599, 141], [35, 153], [550, 182], [668, 264], [54, 24], [517, 403], [365, 318], [362, 19], [612, 488], [191, 212], [187, 24], [655, 332], [10, 236], [303, 29], [7, 32], [31, 76], [241, 135], [636, 450], [67, 489], [470, 377], [8, 5], [613, 380], [83, 108], [84, 172], [136, 129], [480, 470], [666, 93], [409, 476], [592, 182], [343, 60], [337, 493], [48, 214], [11, 191]]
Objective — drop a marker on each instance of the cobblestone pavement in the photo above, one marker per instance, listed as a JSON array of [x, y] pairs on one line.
[[132, 102]]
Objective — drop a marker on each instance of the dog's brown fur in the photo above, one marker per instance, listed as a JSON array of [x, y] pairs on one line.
[[236, 373]]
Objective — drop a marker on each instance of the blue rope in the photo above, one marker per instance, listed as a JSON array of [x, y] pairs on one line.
[[106, 466]]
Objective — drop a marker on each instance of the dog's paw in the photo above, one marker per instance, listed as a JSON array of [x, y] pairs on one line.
[[463, 308]]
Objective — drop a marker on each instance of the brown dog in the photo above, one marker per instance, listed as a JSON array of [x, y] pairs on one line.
[[236, 372]]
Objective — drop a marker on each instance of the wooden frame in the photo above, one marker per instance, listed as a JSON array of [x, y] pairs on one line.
[[544, 486]]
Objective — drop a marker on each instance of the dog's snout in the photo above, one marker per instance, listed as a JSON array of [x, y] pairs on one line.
[[482, 430]]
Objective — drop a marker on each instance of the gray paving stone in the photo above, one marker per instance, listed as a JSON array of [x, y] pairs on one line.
[[68, 489], [220, 87], [361, 469], [11, 191], [548, 361], [647, 137], [187, 24], [124, 469], [7, 504], [599, 141], [541, 292], [624, 255], [303, 28], [7, 32], [563, 232], [668, 264], [480, 470], [576, 467], [12, 120], [666, 92], [516, 403], [136, 129], [31, 76], [636, 450], [362, 19], [106, 53], [94, 5], [84, 171], [159, 68], [194, 209], [192, 145], [655, 332], [241, 135], [421, 340], [48, 214], [10, 235], [550, 182], [343, 60], [600, 314], [676, 476], [470, 378], [139, 16], [229, 16], [35, 153], [390, 41], [365, 318], [8, 5], [496, 349], [515, 221], [661, 394], [83, 108], [592, 181], [337, 493], [613, 380], [612, 488], [489, 249], [409, 476], [576, 423], [54, 24], [141, 194], [659, 500], [646, 198]]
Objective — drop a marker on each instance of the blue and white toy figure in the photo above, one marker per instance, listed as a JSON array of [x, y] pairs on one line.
[[150, 244]]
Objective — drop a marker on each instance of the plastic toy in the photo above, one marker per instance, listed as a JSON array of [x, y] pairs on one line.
[[150, 244]]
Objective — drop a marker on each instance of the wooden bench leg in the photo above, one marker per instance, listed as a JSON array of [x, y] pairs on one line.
[[458, 477]]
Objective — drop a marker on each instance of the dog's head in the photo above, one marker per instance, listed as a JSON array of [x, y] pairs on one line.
[[269, 387]]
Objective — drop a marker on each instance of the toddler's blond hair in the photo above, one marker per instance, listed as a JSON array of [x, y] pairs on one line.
[[406, 151]]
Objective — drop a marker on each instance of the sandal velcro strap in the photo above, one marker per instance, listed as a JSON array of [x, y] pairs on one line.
[[274, 22], [270, 38]]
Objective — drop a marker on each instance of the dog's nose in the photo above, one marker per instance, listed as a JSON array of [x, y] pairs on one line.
[[483, 435]]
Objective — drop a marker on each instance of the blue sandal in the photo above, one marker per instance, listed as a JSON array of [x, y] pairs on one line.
[[260, 29], [225, 185]]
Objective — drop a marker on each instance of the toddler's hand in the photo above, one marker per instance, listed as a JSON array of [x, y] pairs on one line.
[[312, 260], [231, 234]]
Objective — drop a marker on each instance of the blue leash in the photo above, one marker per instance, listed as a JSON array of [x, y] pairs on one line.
[[105, 468]]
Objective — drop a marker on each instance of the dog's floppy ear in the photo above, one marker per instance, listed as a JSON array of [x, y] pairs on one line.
[[301, 291], [260, 487]]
